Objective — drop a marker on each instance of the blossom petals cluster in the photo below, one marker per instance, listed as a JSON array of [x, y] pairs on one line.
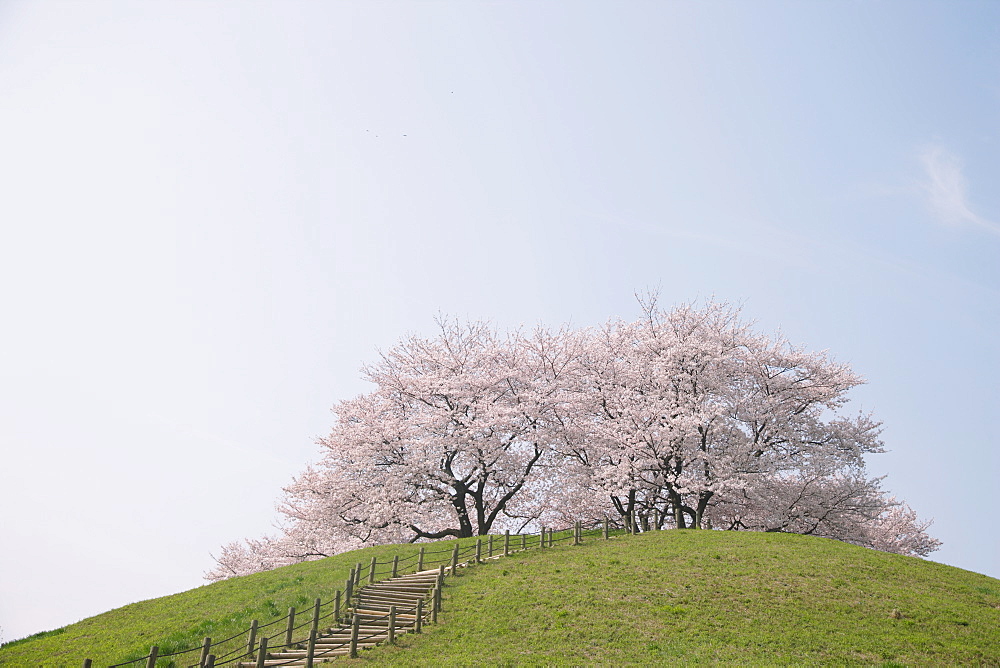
[[686, 418]]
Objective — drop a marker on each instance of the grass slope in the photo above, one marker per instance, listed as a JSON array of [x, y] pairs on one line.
[[711, 597], [180, 621], [661, 598]]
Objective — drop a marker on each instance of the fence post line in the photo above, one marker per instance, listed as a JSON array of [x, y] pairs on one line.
[[524, 541], [357, 573], [371, 572], [348, 590], [87, 663], [420, 614], [336, 608], [506, 542], [210, 661], [479, 550], [252, 638], [656, 519], [154, 652], [262, 652], [434, 607], [454, 560], [311, 648], [206, 649], [489, 547], [395, 566], [420, 559], [440, 580], [392, 625], [354, 636], [290, 627], [541, 538], [605, 527]]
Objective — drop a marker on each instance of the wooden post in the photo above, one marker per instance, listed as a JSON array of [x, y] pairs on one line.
[[454, 560], [252, 638], [541, 538], [348, 590], [354, 636], [262, 652], [210, 661], [576, 532], [605, 527], [371, 572], [392, 624], [420, 615], [524, 541], [311, 649], [395, 566], [440, 582], [206, 649], [336, 608], [316, 611], [434, 607], [87, 663], [506, 542], [656, 519], [479, 550], [154, 652], [489, 542], [291, 625], [420, 559], [357, 573]]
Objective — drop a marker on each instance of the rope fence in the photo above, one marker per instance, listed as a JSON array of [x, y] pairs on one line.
[[255, 643]]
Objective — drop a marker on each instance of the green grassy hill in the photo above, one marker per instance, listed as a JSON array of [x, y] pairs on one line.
[[660, 598]]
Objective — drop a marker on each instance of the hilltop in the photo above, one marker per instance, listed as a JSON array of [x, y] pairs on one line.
[[659, 598]]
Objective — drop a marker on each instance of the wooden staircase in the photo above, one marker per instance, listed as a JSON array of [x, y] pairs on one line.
[[378, 612]]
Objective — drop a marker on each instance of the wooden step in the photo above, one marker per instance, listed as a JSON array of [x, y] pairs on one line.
[[404, 589], [371, 605]]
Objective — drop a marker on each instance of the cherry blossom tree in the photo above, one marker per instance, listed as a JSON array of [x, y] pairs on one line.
[[686, 417], [690, 407], [897, 529]]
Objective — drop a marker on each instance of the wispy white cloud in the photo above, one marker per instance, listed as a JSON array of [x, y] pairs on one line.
[[945, 188]]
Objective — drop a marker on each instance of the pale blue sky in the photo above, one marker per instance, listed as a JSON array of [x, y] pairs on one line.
[[214, 213]]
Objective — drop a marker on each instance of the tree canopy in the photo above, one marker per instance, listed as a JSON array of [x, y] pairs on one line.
[[687, 418]]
